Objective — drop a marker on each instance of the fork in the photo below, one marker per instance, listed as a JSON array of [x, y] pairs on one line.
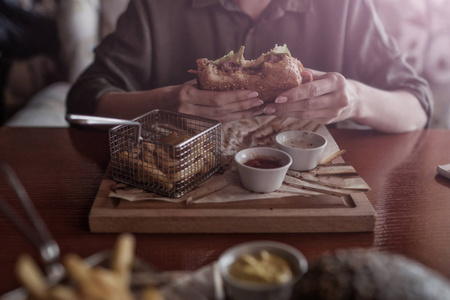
[[37, 233]]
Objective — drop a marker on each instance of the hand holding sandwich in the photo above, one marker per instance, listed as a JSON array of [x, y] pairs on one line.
[[327, 99], [222, 106], [331, 98], [289, 90]]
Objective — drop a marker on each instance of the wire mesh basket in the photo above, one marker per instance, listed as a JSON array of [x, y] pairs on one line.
[[168, 153]]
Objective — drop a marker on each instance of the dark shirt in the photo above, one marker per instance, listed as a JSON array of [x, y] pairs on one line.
[[157, 42], [25, 33]]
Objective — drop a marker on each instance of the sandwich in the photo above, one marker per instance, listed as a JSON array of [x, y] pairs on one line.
[[270, 74]]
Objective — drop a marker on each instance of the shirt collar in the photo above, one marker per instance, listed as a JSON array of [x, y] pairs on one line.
[[289, 5]]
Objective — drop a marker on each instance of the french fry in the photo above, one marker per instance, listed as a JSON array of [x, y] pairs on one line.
[[78, 270], [164, 160], [148, 146], [188, 172], [209, 160], [182, 138], [152, 172], [61, 292], [96, 283], [147, 153], [152, 293], [125, 156], [31, 277], [107, 285], [169, 139], [123, 255], [174, 138], [332, 157], [149, 172]]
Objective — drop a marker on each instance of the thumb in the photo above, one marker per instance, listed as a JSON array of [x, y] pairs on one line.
[[191, 82], [316, 74]]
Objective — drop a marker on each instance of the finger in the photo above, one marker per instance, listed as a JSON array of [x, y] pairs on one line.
[[322, 116], [323, 84], [327, 108], [216, 98], [191, 82], [239, 108], [239, 115], [236, 107], [316, 73], [221, 99], [309, 104], [215, 111]]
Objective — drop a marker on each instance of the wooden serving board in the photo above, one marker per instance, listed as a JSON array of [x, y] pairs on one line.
[[326, 213], [318, 213]]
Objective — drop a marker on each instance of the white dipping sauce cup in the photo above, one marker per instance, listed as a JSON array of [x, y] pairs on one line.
[[262, 180], [305, 148]]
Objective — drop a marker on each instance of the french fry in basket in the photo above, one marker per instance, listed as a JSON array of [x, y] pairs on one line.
[[174, 138], [123, 255], [165, 161], [148, 171], [31, 277]]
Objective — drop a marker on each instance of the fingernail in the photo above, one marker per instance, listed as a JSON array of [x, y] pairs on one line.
[[257, 103], [256, 112], [281, 99], [269, 110], [252, 95]]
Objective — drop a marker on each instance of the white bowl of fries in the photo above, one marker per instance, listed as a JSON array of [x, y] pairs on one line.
[[257, 280]]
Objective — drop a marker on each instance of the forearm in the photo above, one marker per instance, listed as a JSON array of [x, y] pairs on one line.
[[129, 105], [389, 111]]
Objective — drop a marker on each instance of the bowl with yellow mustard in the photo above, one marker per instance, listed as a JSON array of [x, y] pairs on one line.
[[262, 270]]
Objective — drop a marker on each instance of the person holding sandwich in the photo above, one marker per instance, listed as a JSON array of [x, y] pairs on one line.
[[359, 76]]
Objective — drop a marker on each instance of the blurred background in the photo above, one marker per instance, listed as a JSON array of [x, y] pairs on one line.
[[52, 43], [422, 30]]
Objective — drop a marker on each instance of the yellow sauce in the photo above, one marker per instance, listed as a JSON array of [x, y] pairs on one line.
[[263, 267]]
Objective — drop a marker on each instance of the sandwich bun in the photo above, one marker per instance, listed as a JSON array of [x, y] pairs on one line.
[[269, 75]]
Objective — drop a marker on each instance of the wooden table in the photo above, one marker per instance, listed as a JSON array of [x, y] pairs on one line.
[[62, 169]]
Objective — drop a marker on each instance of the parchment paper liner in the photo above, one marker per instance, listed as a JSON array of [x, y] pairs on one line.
[[337, 179]]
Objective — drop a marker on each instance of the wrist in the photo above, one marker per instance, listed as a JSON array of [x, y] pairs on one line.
[[160, 98], [355, 93], [170, 97]]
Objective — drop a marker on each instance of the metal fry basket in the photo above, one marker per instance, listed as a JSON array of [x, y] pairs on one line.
[[167, 153]]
